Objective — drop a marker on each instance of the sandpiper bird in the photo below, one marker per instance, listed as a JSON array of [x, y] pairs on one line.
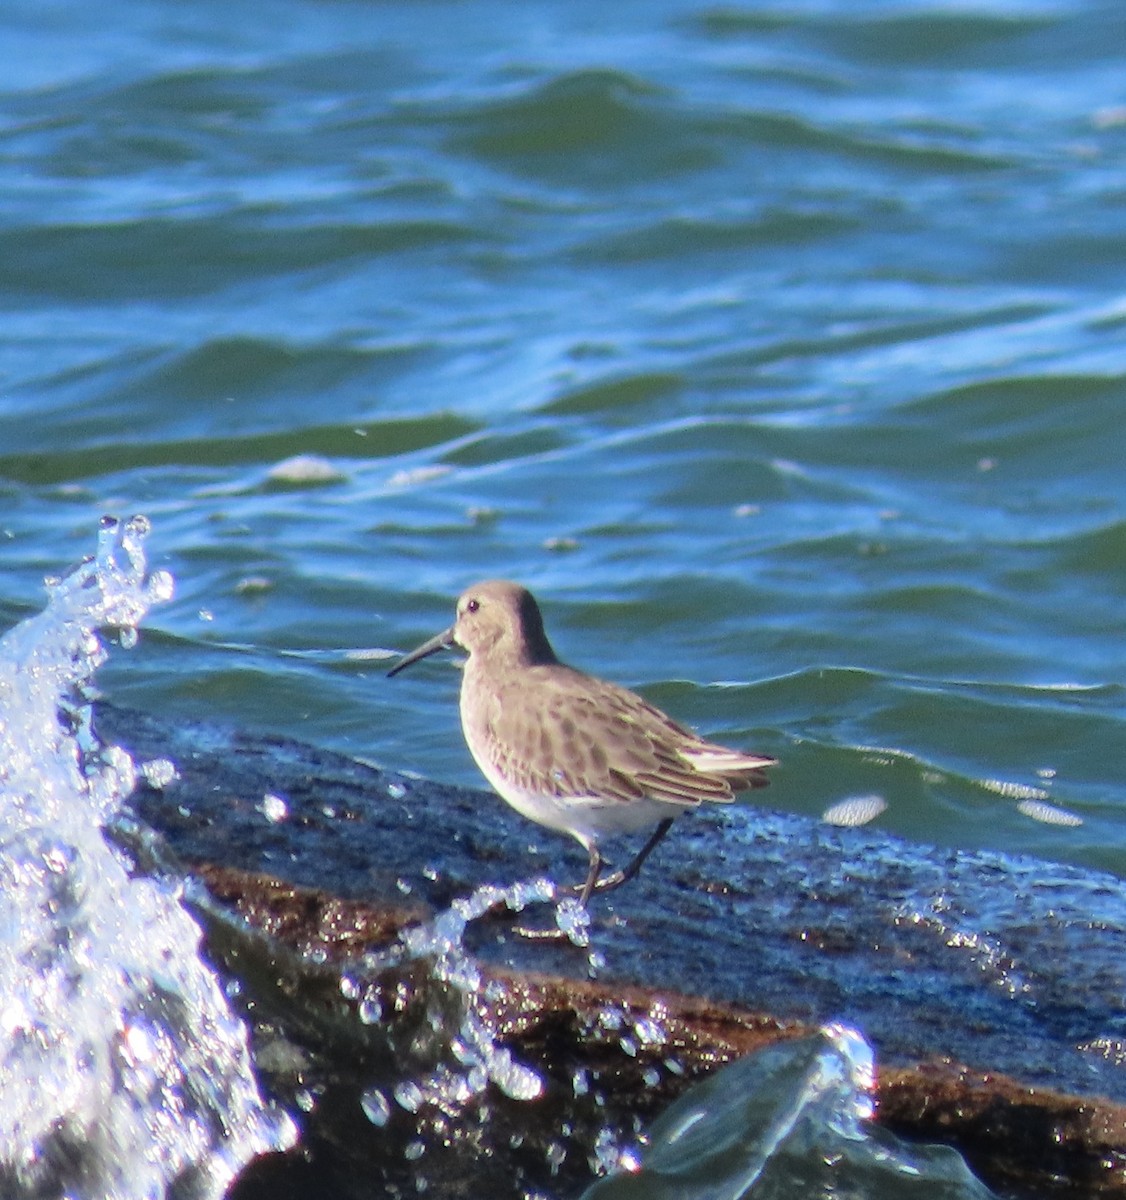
[[570, 751]]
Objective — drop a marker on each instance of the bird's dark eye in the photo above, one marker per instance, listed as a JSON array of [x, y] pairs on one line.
[[472, 605]]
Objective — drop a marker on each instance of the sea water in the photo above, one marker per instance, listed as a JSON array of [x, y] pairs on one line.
[[778, 347]]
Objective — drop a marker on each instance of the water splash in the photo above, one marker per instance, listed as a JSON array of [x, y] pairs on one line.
[[122, 1069], [448, 995], [792, 1120], [464, 1055]]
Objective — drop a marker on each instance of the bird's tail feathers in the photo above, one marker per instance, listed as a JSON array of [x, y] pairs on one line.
[[740, 770], [720, 761]]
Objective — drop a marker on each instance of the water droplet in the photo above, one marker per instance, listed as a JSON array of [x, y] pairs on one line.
[[573, 920], [376, 1107], [610, 1018], [516, 1081], [273, 808], [630, 1161], [408, 1096], [159, 773], [57, 859], [649, 1031]]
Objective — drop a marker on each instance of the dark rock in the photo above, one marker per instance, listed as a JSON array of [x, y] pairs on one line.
[[746, 927]]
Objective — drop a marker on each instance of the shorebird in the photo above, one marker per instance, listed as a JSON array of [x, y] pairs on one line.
[[570, 751]]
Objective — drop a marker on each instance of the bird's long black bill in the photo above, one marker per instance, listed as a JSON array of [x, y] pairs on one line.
[[441, 641]]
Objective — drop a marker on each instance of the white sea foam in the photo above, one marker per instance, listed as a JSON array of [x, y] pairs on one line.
[[305, 469], [855, 810], [1013, 791], [1049, 814], [122, 1070]]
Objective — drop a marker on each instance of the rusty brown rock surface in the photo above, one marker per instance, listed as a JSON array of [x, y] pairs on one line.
[[1021, 1139]]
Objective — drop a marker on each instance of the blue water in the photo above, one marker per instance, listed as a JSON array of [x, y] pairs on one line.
[[780, 348]]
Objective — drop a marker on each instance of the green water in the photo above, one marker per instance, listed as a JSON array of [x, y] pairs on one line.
[[781, 349]]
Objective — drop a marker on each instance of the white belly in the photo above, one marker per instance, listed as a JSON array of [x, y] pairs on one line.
[[586, 818]]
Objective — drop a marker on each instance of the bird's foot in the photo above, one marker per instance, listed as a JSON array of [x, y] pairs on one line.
[[540, 935], [606, 884], [572, 921]]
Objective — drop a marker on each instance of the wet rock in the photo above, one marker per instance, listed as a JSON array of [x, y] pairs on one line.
[[748, 927]]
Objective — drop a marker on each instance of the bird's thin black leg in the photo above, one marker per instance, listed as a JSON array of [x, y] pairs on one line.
[[592, 876], [624, 876], [594, 884]]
